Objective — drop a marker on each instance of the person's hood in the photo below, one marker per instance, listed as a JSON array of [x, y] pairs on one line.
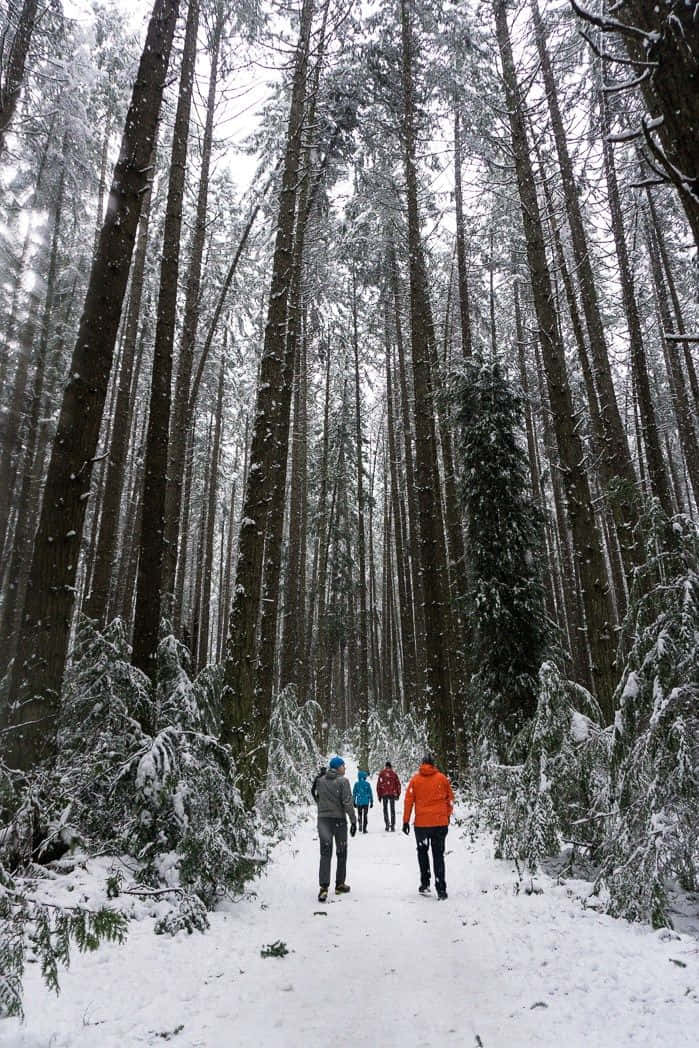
[[363, 776], [331, 773], [428, 769]]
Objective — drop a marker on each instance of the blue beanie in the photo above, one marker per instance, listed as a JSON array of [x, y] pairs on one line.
[[336, 762]]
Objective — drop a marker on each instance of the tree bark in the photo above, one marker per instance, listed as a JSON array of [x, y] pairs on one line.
[[28, 499], [97, 605], [618, 471], [43, 643], [362, 693], [152, 601], [11, 86], [433, 554], [464, 298], [663, 39], [245, 721], [407, 628], [182, 412], [586, 538], [211, 496], [680, 400]]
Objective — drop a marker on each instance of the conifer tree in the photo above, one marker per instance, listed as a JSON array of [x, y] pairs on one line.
[[505, 599]]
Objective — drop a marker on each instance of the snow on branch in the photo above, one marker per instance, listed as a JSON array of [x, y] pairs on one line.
[[611, 89], [609, 25], [606, 57]]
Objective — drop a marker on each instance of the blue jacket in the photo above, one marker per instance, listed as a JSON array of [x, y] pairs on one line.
[[362, 793]]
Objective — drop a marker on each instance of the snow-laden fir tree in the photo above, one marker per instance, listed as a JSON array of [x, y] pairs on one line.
[[504, 603], [558, 790], [293, 760], [140, 769], [652, 833]]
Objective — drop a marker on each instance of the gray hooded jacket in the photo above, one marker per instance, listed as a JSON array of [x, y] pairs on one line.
[[335, 797]]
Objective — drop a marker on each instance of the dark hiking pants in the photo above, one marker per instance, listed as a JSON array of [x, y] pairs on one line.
[[362, 810], [329, 830], [389, 802], [434, 836]]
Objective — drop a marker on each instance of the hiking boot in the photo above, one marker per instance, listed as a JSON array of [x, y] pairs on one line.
[[442, 894], [323, 895], [342, 889], [387, 828], [424, 889]]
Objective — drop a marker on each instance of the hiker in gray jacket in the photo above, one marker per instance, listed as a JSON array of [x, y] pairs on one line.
[[334, 800]]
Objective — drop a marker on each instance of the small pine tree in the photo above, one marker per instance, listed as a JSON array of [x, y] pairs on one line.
[[504, 603], [293, 761], [140, 770], [563, 776], [105, 705], [653, 829]]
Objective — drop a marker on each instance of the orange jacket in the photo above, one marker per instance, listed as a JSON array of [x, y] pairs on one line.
[[432, 795]]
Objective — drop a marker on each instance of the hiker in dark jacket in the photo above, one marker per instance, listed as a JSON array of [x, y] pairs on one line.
[[388, 791], [363, 798], [334, 800]]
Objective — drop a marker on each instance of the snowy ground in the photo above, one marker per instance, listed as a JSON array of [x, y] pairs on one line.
[[380, 966]]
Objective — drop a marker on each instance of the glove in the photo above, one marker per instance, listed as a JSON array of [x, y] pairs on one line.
[[406, 828], [371, 805], [353, 829]]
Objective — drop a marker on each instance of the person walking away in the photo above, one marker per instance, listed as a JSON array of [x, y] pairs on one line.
[[314, 786], [334, 800], [430, 793], [388, 792], [363, 798]]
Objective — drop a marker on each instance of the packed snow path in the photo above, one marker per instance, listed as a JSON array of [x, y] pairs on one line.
[[380, 966]]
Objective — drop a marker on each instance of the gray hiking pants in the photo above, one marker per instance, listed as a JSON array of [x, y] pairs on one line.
[[329, 830]]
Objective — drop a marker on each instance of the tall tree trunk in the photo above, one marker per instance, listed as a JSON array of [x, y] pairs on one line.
[[294, 594], [101, 184], [464, 298], [531, 441], [407, 626], [97, 605], [28, 499], [363, 666], [314, 636], [412, 515], [11, 83], [649, 424], [680, 400], [433, 553], [676, 308], [211, 496], [151, 600], [615, 457], [580, 652], [181, 413], [43, 643], [586, 538], [245, 721], [663, 38], [225, 596]]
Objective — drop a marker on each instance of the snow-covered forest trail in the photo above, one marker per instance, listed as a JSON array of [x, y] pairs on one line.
[[381, 965]]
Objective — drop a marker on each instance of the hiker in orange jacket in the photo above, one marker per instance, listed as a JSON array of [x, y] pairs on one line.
[[430, 792]]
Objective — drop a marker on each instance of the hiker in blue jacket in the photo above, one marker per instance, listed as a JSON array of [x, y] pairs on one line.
[[363, 798]]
